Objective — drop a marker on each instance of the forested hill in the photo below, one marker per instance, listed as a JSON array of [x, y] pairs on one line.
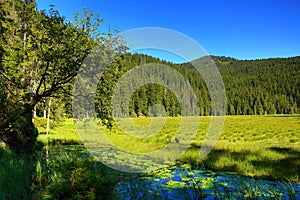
[[266, 86], [253, 87]]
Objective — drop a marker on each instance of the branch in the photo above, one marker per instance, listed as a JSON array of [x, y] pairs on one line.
[[43, 79]]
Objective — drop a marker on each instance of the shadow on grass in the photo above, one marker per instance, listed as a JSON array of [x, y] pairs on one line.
[[75, 174], [64, 142], [62, 170], [256, 164], [16, 172], [287, 167]]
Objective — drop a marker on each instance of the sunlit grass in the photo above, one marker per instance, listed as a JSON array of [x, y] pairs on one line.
[[131, 138], [64, 131], [256, 146]]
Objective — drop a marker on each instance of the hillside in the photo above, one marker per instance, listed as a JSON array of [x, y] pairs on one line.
[[253, 87]]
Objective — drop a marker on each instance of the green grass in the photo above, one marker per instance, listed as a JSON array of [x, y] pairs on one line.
[[61, 173], [143, 143], [256, 146], [15, 176], [63, 132], [62, 170]]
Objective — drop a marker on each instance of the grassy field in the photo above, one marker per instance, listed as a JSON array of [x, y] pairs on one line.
[[256, 146]]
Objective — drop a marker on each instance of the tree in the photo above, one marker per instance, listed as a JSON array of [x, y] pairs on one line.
[[41, 58]]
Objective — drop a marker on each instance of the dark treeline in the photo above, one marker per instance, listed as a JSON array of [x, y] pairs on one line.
[[253, 87]]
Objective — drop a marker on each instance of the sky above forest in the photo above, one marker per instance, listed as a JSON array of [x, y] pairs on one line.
[[252, 29]]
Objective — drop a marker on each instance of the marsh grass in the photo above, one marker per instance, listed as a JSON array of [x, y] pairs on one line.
[[74, 174], [15, 175], [62, 170], [156, 139], [65, 173], [265, 147], [60, 133], [253, 146]]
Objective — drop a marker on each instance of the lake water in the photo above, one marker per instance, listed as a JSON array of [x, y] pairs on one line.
[[186, 183]]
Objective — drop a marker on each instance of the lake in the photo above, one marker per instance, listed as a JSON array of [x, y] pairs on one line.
[[184, 182]]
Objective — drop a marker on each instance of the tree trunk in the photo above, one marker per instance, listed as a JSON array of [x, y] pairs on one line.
[[23, 134], [48, 118], [45, 109], [34, 113]]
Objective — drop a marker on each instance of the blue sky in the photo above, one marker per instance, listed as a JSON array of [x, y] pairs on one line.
[[251, 29]]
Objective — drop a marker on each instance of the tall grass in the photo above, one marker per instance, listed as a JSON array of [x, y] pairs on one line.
[[63, 174], [62, 170], [255, 146], [15, 175]]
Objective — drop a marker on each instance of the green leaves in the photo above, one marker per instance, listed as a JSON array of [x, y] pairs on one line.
[[42, 55]]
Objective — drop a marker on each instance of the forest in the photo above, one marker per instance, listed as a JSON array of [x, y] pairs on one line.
[[253, 87]]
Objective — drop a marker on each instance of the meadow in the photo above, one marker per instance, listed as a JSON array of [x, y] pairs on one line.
[[255, 146], [255, 157]]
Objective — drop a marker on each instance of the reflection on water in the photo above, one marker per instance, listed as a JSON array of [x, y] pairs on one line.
[[186, 183]]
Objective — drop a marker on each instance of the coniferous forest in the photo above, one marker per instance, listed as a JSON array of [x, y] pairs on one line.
[[253, 87]]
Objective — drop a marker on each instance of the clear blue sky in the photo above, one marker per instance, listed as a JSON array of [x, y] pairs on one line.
[[243, 29]]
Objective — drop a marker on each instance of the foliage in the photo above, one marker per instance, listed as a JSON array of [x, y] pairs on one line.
[[41, 53], [69, 172], [40, 57], [15, 175]]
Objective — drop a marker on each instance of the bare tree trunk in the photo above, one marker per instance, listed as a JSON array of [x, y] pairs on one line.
[[45, 109], [48, 118], [34, 113], [47, 130], [45, 112]]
